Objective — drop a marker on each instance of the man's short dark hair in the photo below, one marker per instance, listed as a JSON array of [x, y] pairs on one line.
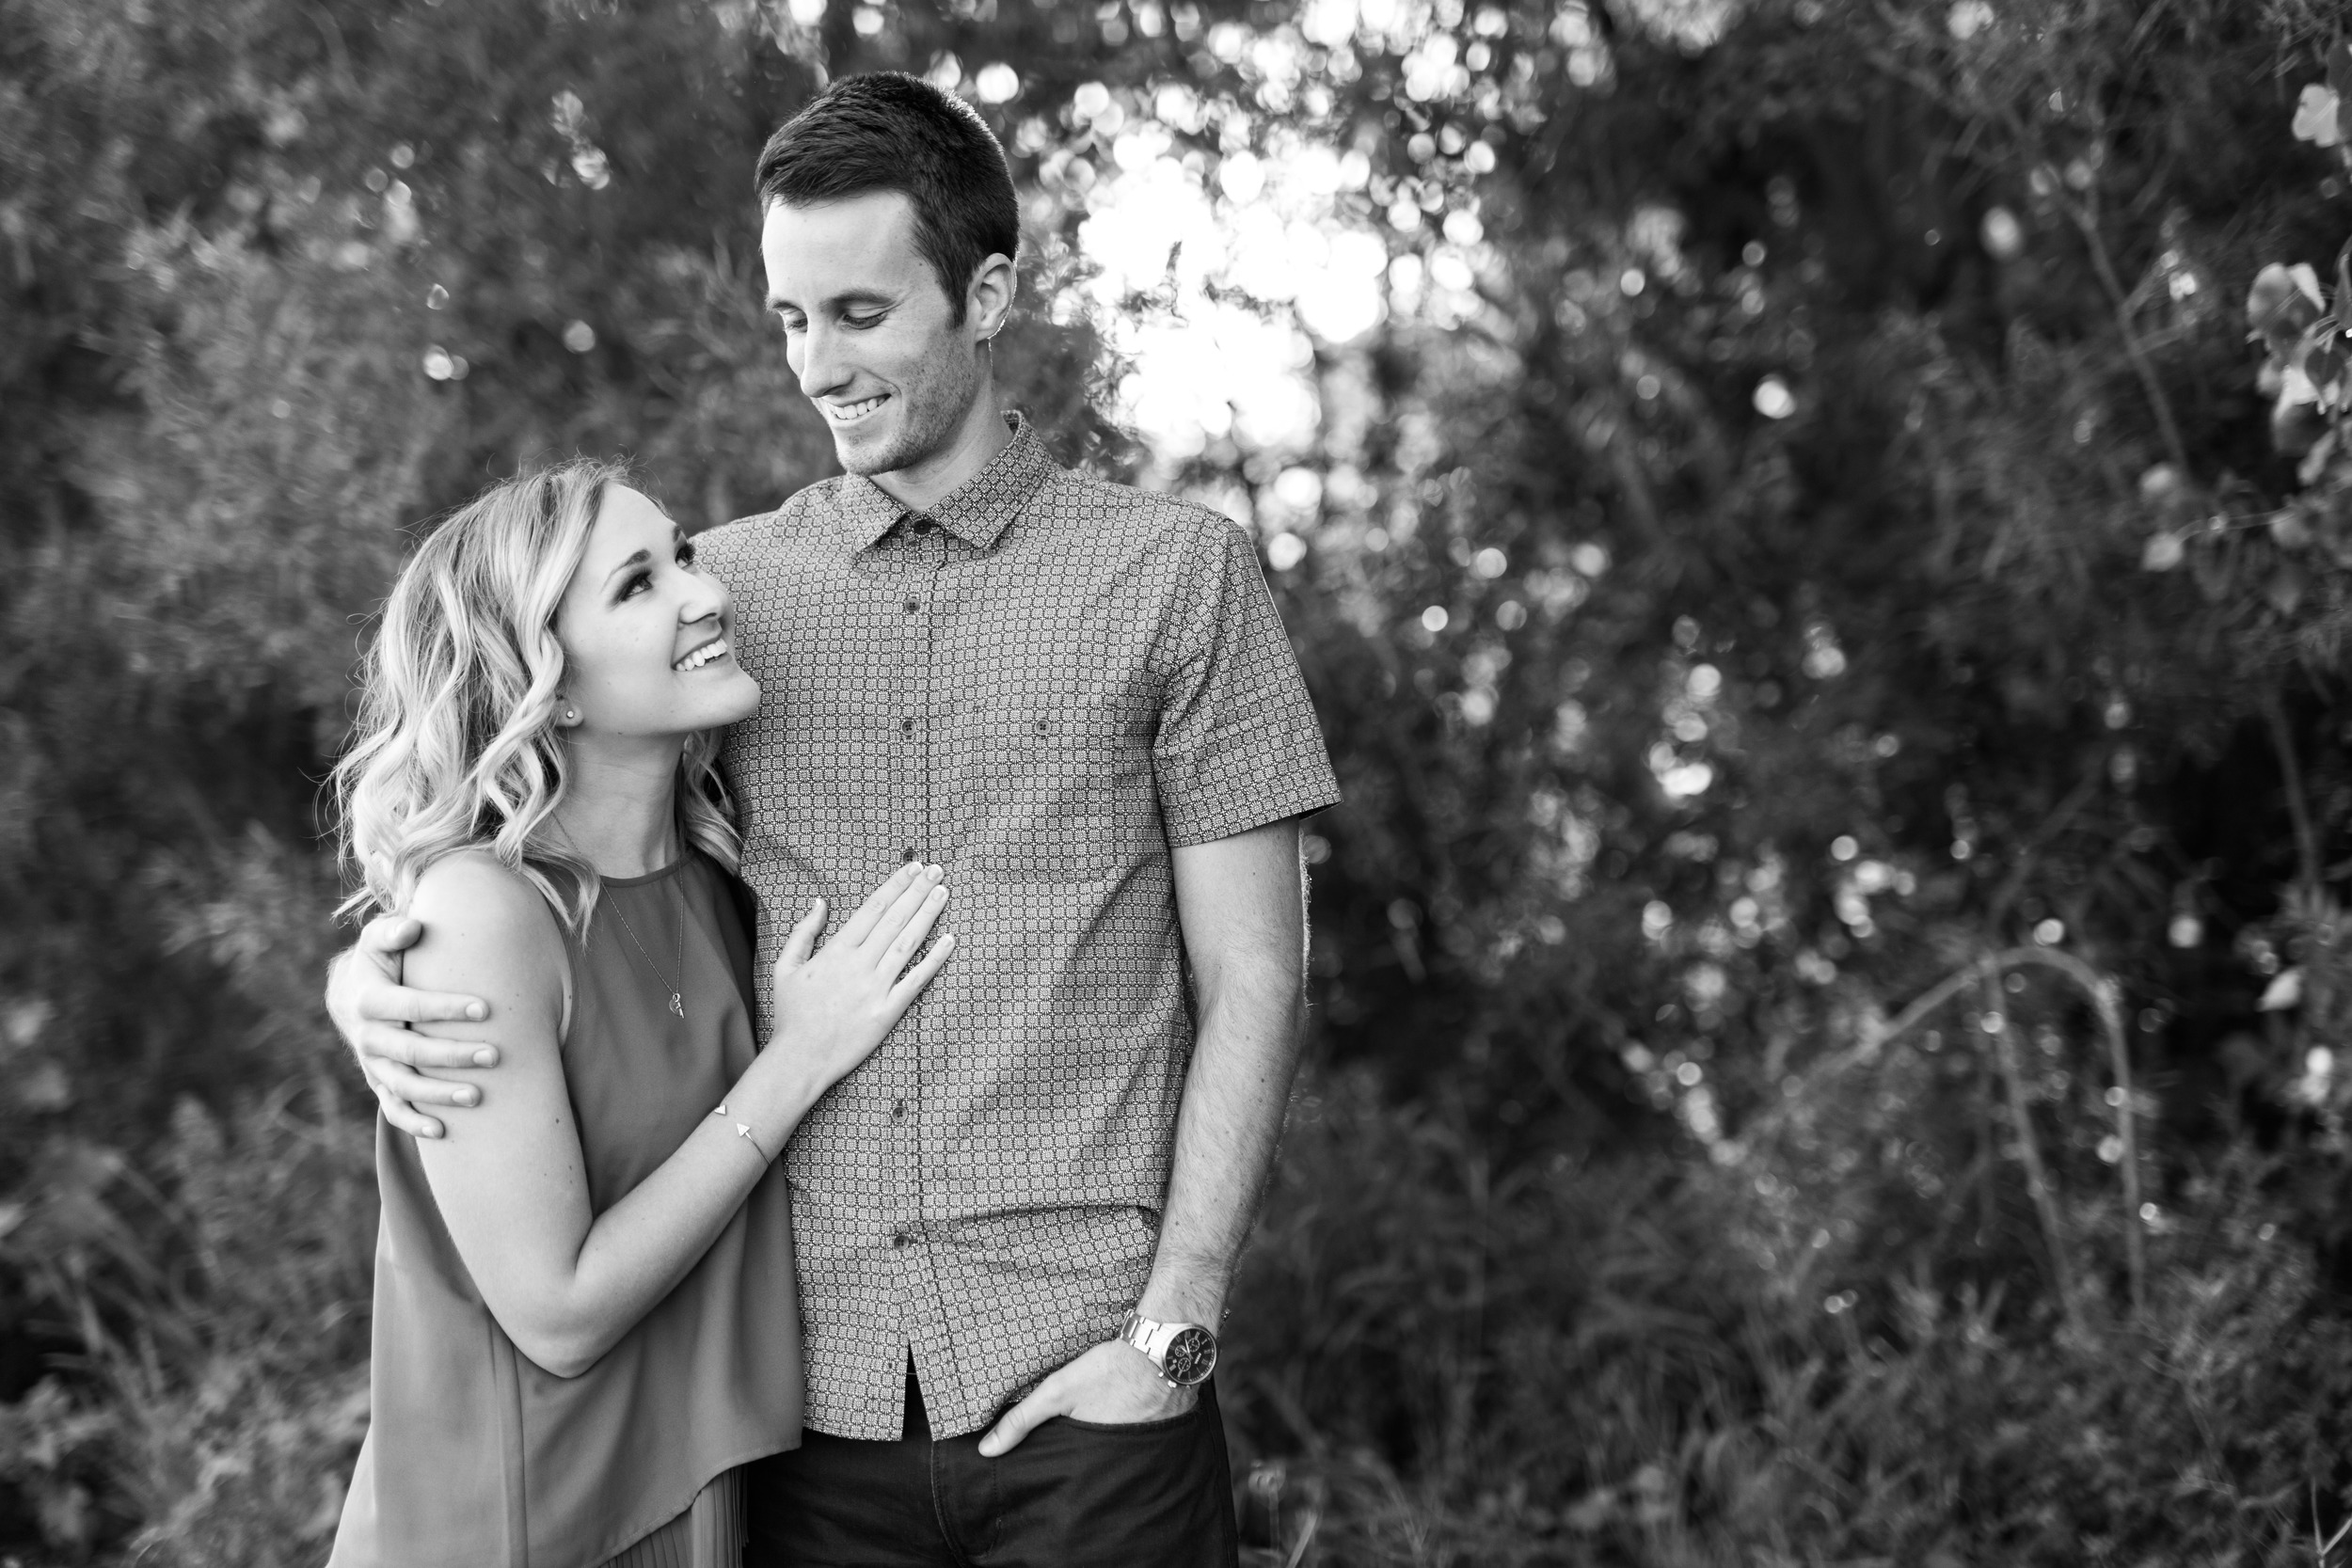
[[887, 131]]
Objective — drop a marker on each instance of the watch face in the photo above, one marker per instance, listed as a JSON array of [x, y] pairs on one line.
[[1190, 1355]]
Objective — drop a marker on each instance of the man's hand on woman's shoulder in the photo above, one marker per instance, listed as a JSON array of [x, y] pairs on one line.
[[372, 1011]]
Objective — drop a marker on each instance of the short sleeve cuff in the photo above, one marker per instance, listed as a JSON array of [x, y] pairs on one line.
[[1216, 799]]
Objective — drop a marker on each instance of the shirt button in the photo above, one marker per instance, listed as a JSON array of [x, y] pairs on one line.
[[913, 605], [910, 851], [924, 525], [906, 726], [899, 1110], [900, 1239]]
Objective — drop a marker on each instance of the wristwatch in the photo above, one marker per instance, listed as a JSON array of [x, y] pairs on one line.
[[1183, 1353]]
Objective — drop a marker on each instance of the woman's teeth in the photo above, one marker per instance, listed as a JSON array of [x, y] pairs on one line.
[[842, 413], [701, 655]]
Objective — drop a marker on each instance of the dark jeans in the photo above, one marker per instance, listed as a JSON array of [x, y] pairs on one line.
[[1074, 1495]]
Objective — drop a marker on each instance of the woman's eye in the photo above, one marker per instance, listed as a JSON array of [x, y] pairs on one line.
[[635, 582], [686, 556]]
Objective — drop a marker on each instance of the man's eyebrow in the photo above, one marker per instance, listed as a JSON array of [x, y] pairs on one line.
[[846, 297]]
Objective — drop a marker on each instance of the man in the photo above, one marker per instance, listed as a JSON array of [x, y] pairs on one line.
[[1016, 1224]]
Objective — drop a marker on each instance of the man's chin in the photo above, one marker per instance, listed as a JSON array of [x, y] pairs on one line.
[[867, 455]]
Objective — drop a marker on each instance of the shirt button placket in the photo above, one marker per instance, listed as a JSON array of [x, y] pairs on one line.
[[922, 617]]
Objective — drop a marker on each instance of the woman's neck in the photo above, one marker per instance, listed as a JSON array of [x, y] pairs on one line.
[[621, 812]]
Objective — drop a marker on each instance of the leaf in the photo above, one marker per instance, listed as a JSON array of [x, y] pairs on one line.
[[2308, 281], [2344, 279], [2316, 116], [2323, 359], [2287, 527], [2339, 70], [2284, 991], [2163, 551], [2285, 589], [2278, 307]]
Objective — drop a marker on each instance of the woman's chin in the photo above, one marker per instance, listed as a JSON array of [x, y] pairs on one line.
[[737, 698]]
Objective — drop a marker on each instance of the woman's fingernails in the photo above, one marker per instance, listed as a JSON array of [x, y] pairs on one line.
[[486, 1058], [476, 1011], [467, 1096]]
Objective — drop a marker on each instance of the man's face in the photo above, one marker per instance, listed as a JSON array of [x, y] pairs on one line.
[[869, 329]]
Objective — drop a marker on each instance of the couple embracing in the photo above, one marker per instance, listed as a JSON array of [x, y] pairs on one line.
[[917, 1255]]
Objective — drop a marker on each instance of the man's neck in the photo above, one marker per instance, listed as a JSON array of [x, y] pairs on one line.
[[979, 437], [620, 807]]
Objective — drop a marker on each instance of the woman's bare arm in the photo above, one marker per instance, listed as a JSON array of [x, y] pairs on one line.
[[509, 1177]]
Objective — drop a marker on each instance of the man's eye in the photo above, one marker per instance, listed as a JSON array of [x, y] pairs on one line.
[[791, 323], [860, 322]]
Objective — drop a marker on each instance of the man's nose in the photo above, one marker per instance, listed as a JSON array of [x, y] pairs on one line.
[[820, 367]]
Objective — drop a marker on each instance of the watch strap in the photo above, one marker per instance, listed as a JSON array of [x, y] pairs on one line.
[[1152, 1337]]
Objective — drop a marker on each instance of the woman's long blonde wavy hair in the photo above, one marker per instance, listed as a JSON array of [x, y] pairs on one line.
[[457, 746]]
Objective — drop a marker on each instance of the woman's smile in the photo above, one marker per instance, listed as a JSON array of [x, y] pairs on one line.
[[703, 655]]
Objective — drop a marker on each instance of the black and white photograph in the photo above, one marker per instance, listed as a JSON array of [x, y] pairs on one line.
[[1175, 784]]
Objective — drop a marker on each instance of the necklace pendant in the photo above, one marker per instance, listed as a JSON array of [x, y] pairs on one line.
[[677, 1004]]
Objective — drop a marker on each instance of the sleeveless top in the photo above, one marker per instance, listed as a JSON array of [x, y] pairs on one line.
[[475, 1456]]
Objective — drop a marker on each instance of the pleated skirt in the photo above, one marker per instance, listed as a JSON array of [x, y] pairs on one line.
[[709, 1534]]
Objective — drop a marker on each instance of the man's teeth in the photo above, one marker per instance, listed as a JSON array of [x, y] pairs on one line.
[[844, 412], [701, 655]]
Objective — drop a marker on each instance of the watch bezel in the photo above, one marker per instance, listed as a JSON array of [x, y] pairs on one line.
[[1197, 1366]]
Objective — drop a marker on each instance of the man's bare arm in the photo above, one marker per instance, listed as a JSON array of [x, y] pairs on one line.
[[1242, 904]]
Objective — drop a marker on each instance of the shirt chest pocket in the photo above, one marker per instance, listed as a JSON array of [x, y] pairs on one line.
[[1063, 791]]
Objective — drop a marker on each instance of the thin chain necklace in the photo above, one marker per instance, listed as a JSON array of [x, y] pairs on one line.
[[677, 999]]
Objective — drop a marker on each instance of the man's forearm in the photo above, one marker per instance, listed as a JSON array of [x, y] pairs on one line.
[[1227, 1132]]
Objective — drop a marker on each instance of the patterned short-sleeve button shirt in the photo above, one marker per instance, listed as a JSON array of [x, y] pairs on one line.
[[1044, 682]]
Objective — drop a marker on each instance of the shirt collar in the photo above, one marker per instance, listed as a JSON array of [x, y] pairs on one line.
[[975, 512]]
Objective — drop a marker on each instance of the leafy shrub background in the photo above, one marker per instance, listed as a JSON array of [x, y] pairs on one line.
[[1874, 564]]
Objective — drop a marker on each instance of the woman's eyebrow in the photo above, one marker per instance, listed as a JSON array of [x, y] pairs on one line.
[[638, 558]]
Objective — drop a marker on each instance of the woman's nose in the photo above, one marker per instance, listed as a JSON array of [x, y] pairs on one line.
[[703, 600]]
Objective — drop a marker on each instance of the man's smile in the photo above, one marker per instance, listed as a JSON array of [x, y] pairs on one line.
[[850, 413]]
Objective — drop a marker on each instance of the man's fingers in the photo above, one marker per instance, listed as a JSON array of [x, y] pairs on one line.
[[389, 1077], [802, 941], [877, 901], [902, 994], [399, 1005], [1040, 1406], [391, 933], [406, 1117], [386, 1042]]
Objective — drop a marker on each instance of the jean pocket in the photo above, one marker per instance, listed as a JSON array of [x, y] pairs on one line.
[[1177, 1422]]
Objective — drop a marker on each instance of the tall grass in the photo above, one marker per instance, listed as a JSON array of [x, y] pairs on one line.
[[1603, 1364]]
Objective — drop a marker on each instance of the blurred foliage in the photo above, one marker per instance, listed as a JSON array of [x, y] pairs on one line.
[[1807, 528]]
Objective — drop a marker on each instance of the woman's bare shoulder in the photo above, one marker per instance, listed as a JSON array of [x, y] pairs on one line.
[[479, 914]]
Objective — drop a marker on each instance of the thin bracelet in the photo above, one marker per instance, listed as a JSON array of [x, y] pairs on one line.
[[744, 1133]]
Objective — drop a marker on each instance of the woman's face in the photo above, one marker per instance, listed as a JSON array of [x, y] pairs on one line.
[[647, 639]]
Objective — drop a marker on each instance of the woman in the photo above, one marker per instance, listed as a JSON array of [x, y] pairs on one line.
[[584, 1307]]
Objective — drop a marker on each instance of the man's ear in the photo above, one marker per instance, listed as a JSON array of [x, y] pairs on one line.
[[988, 304]]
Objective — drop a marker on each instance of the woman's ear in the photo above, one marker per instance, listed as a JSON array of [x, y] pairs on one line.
[[566, 712]]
